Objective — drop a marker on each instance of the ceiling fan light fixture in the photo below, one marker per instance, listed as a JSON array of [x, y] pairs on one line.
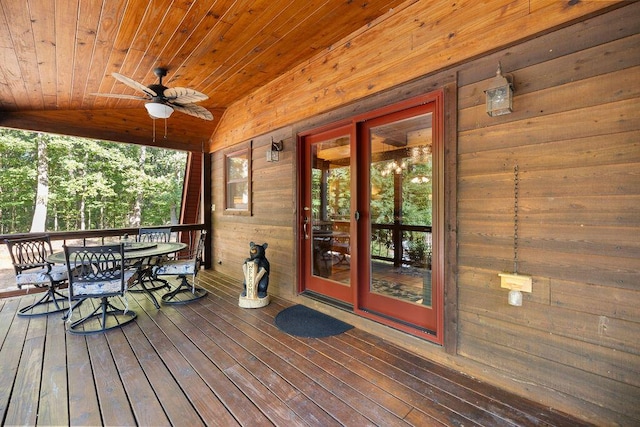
[[158, 110]]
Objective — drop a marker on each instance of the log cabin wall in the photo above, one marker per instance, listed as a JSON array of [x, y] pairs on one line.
[[574, 135], [271, 220]]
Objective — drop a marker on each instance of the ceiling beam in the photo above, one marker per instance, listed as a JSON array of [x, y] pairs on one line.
[[125, 125]]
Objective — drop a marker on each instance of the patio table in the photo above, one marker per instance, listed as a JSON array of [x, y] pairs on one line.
[[135, 251]]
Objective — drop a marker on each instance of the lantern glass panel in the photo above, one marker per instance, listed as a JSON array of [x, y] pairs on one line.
[[499, 100]]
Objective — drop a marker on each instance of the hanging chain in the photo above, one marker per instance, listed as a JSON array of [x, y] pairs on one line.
[[515, 219]]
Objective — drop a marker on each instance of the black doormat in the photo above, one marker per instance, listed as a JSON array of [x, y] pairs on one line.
[[303, 321]]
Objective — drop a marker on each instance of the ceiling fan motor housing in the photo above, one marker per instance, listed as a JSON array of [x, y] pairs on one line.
[[159, 88]]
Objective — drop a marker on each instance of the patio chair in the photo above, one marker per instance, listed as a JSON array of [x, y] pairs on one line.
[[144, 266], [98, 272], [182, 268], [322, 258], [154, 234], [29, 258]]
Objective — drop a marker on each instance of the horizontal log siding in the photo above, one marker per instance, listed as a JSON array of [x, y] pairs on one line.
[[271, 220], [419, 38], [575, 135]]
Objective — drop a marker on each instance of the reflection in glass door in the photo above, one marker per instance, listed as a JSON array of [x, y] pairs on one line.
[[327, 214], [401, 217]]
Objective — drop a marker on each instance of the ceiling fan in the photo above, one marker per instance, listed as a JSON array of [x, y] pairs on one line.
[[162, 101]]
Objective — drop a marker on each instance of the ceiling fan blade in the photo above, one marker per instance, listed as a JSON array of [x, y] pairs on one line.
[[193, 110], [121, 96], [183, 95], [134, 84]]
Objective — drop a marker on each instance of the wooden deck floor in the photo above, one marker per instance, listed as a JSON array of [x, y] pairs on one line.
[[213, 363]]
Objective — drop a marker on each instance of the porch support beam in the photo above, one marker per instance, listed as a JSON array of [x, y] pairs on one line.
[[124, 125]]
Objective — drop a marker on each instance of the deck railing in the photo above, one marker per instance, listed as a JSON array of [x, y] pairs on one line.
[[102, 235], [415, 242], [186, 234]]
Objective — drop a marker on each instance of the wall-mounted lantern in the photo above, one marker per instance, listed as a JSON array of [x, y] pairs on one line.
[[499, 95], [273, 153]]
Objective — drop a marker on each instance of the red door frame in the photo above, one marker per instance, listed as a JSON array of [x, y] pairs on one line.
[[394, 312], [360, 229], [309, 282]]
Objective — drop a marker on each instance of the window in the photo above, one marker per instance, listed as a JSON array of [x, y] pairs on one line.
[[238, 182]]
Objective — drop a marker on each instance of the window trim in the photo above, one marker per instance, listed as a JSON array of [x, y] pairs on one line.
[[243, 149]]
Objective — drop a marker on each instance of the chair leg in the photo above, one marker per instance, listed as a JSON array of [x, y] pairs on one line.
[[104, 313], [51, 296], [146, 276], [73, 307], [163, 283], [184, 293], [149, 291]]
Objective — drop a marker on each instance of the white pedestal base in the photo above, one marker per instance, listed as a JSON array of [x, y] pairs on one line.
[[252, 276], [246, 302]]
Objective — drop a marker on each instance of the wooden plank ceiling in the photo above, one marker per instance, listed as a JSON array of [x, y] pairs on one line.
[[54, 54]]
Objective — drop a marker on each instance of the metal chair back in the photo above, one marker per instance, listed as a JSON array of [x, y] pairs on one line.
[[198, 254], [29, 252], [95, 271], [29, 257], [162, 235]]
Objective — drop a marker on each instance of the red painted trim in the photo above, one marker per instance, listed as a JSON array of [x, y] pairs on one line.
[[360, 274], [192, 189]]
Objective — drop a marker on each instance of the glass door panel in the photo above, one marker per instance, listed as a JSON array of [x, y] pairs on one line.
[[331, 209], [327, 215], [400, 228]]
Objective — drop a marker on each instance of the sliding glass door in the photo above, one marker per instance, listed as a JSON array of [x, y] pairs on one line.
[[370, 214]]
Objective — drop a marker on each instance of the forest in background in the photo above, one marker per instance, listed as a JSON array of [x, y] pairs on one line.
[[61, 183]]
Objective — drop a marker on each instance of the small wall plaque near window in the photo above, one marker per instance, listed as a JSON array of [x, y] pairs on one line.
[[237, 178]]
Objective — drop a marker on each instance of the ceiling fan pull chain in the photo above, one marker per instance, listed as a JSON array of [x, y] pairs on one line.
[[165, 128], [154, 129]]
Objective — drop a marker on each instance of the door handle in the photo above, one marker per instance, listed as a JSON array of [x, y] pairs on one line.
[[305, 224]]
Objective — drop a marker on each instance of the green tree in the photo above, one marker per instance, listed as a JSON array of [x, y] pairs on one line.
[[92, 184], [17, 180], [164, 172]]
